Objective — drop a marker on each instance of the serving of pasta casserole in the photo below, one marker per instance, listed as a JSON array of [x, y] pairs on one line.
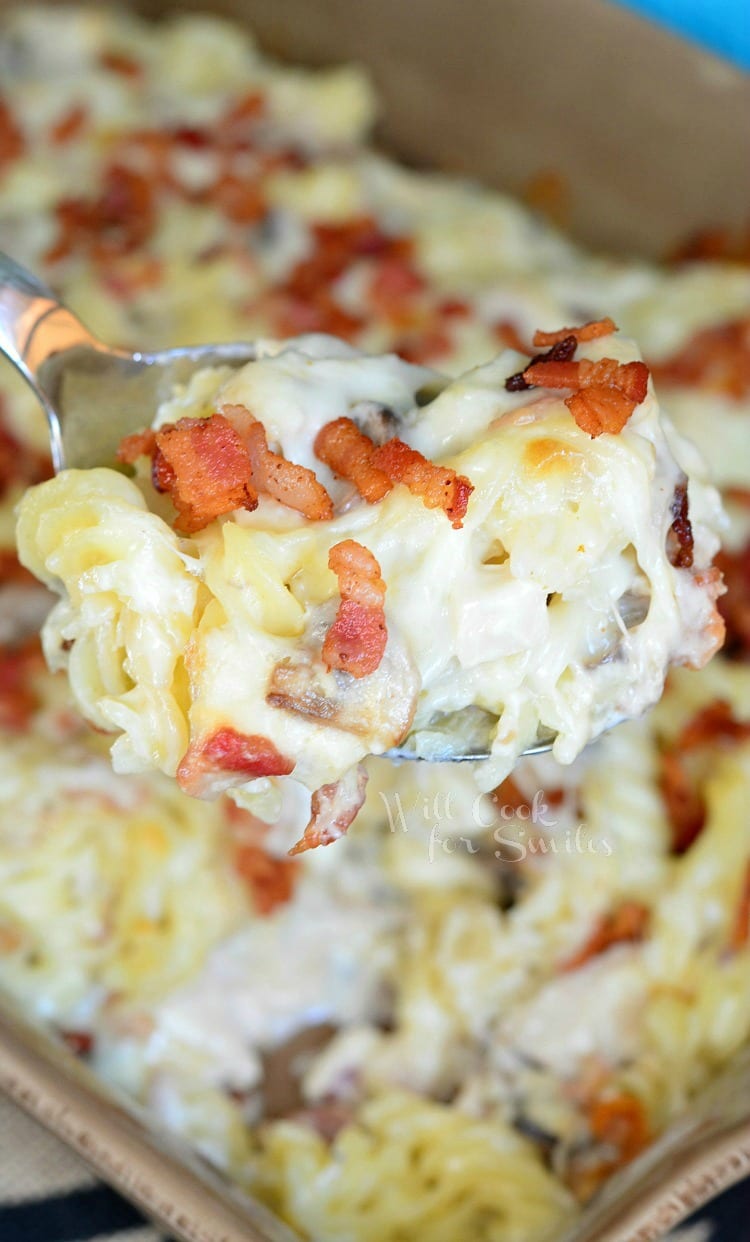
[[500, 986]]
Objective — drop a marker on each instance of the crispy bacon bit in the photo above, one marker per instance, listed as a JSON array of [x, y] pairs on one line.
[[626, 924], [120, 63], [119, 222], [305, 302], [357, 639], [11, 939], [714, 245], [735, 605], [334, 807], [716, 359], [18, 698], [548, 193], [508, 798], [81, 1043], [619, 1125], [69, 125], [680, 538], [438, 487], [683, 801], [630, 378], [373, 469], [292, 485], [271, 880], [241, 113], [604, 393], [599, 409], [349, 453], [240, 198], [205, 467], [714, 725], [245, 756], [620, 1121], [11, 137], [740, 935], [561, 351], [140, 444], [590, 331], [508, 335]]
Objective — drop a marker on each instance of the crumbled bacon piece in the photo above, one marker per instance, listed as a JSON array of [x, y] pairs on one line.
[[619, 1124], [604, 393], [245, 756], [81, 1043], [69, 125], [620, 1121], [561, 351], [241, 114], [392, 289], [349, 453], [241, 199], [438, 487], [139, 444], [715, 358], [680, 539], [205, 466], [712, 246], [425, 346], [740, 933], [357, 639], [118, 222], [305, 301], [120, 63], [629, 378], [292, 485], [126, 276], [713, 725], [373, 469], [18, 698], [735, 605], [548, 193], [271, 880], [626, 924], [683, 801], [590, 331], [507, 797], [508, 335], [11, 137], [333, 807]]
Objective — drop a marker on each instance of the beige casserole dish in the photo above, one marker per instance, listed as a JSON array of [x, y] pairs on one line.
[[462, 94]]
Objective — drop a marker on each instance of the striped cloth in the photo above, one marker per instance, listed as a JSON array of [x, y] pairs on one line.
[[48, 1195]]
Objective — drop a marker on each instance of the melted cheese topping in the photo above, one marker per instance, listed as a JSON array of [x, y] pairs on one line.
[[519, 613]]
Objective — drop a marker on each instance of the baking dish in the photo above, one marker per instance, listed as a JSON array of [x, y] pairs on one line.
[[712, 1143]]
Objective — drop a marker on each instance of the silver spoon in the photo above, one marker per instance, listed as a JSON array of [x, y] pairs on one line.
[[75, 376]]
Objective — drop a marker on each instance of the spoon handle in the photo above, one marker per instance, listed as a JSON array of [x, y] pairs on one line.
[[34, 325]]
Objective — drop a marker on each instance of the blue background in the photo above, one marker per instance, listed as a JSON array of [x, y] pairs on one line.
[[721, 25]]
